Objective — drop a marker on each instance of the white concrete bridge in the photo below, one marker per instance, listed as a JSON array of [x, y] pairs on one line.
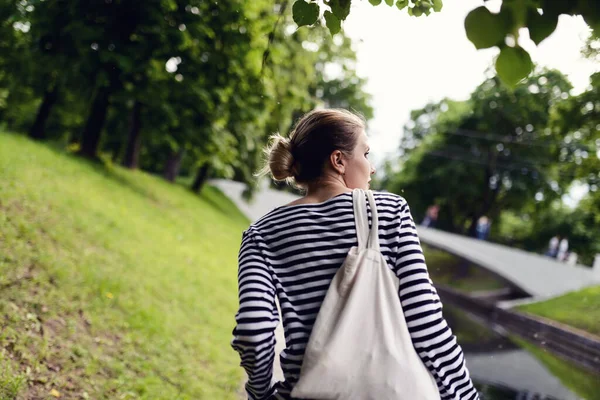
[[536, 275]]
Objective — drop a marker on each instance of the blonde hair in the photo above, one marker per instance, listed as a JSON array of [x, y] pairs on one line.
[[300, 159]]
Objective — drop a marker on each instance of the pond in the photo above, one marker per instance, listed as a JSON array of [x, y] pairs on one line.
[[507, 368]]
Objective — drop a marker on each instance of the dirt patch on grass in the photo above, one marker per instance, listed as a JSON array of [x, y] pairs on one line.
[[59, 354]]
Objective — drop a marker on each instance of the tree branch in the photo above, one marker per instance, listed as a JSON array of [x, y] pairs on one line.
[[282, 9]]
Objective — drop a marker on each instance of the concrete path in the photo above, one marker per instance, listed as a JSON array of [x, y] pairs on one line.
[[540, 276], [264, 201]]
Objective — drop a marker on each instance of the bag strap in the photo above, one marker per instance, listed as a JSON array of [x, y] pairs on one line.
[[361, 219], [365, 238], [374, 237]]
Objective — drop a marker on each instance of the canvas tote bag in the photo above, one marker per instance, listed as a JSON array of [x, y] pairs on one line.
[[360, 347]]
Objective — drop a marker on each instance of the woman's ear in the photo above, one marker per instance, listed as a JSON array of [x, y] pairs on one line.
[[337, 162]]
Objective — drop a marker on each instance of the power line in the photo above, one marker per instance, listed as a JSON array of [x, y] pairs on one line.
[[536, 141], [523, 160], [502, 139], [527, 169]]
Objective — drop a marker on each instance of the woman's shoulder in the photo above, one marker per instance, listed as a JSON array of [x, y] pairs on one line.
[[389, 205], [294, 210], [389, 196], [388, 199], [289, 212]]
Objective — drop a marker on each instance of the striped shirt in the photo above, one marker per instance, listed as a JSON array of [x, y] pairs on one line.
[[293, 253]]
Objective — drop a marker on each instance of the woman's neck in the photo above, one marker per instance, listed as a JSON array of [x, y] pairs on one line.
[[325, 190]]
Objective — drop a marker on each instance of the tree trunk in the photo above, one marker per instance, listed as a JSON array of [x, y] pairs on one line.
[[132, 153], [173, 165], [95, 122], [201, 177], [238, 175], [38, 129]]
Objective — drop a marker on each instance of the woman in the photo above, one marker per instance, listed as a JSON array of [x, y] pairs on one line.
[[293, 253]]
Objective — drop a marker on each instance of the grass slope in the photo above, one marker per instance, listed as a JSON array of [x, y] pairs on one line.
[[113, 284], [580, 309]]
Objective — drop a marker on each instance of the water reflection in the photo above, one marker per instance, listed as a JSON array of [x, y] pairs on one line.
[[500, 368], [497, 392]]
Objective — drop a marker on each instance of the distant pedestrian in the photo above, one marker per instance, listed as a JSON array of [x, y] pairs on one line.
[[563, 249], [431, 216], [553, 246], [483, 228]]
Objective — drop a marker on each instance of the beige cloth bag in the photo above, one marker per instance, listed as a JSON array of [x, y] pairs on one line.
[[360, 347]]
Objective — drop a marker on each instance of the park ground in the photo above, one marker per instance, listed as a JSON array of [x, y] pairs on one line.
[[115, 284]]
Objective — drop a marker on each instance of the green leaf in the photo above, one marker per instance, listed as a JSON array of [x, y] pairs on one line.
[[513, 65], [438, 5], [340, 8], [305, 13], [485, 29], [402, 4], [125, 63], [389, 2], [540, 26], [333, 23], [375, 2]]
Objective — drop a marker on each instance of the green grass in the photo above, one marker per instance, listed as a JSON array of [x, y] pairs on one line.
[[113, 284], [445, 268], [10, 383], [579, 309], [581, 382]]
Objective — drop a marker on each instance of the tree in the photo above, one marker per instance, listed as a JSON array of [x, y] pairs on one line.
[[55, 49], [123, 37], [174, 87], [578, 120], [483, 156], [344, 89], [113, 45], [484, 28], [24, 69], [510, 155]]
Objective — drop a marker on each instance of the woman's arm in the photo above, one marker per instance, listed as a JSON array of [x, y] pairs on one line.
[[431, 335], [257, 318]]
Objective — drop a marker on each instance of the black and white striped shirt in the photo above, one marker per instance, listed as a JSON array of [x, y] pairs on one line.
[[293, 253]]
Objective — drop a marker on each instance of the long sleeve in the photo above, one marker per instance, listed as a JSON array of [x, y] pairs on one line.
[[431, 335], [256, 319]]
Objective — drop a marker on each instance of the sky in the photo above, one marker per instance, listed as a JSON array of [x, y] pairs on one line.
[[411, 61]]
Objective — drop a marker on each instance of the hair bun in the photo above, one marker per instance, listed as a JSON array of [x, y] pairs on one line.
[[281, 160]]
